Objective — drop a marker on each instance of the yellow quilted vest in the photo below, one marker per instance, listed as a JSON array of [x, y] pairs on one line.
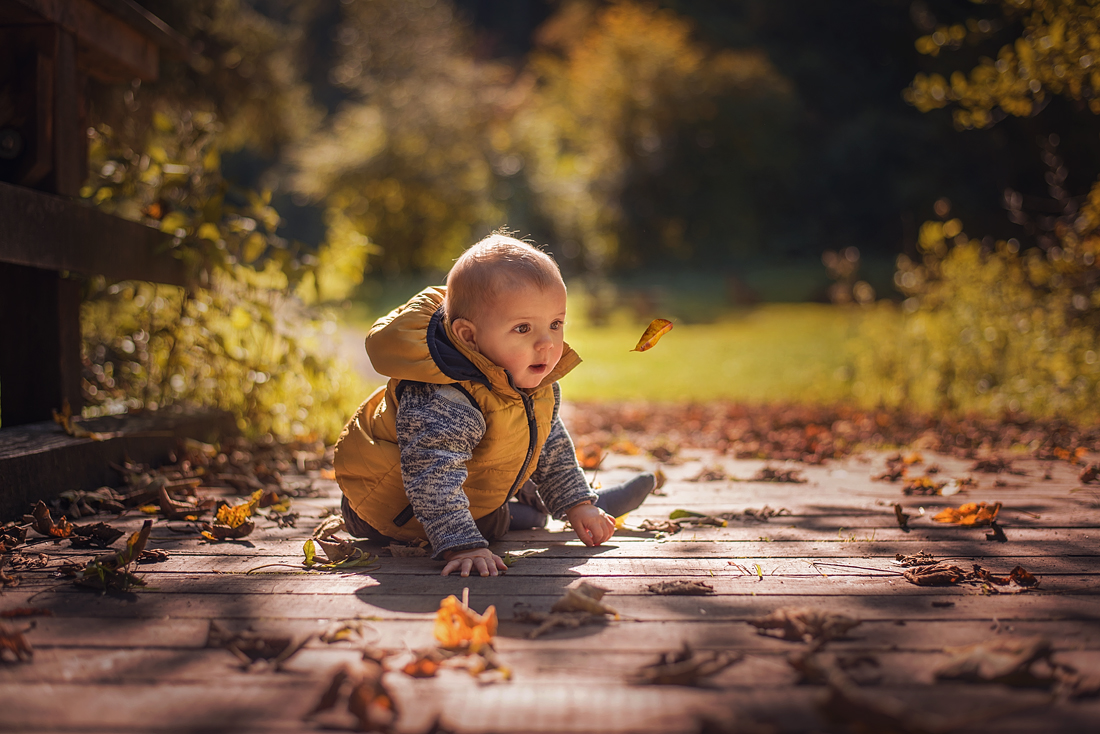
[[415, 343]]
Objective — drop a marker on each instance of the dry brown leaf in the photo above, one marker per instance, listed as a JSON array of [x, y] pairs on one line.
[[253, 650], [112, 572], [45, 525], [923, 486], [971, 514], [425, 664], [218, 531], [329, 526], [96, 535], [656, 329], [457, 626], [584, 597], [709, 474], [804, 625], [547, 621], [681, 587], [14, 646], [771, 474], [12, 536], [368, 700], [920, 558], [407, 551], [764, 514], [660, 526], [1089, 474], [1006, 660], [684, 667], [902, 517]]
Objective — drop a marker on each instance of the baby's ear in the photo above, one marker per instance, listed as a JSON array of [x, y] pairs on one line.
[[464, 330]]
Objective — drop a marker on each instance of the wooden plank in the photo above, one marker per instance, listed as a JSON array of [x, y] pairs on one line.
[[38, 461], [112, 49], [55, 233], [89, 636]]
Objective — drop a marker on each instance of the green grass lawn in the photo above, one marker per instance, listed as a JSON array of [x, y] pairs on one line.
[[781, 352], [771, 353]]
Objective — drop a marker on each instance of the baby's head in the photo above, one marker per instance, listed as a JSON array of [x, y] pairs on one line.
[[506, 300]]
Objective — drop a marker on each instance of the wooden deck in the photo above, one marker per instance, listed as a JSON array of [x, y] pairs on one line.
[[138, 662]]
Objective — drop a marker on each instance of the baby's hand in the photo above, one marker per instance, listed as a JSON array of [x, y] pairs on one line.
[[591, 524], [483, 560]]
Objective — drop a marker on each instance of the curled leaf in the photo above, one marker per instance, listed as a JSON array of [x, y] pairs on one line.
[[44, 524], [684, 667], [656, 329], [972, 514], [584, 597], [458, 626], [804, 624]]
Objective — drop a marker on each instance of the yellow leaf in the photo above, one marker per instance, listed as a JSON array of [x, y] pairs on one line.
[[209, 231], [236, 516], [656, 329], [253, 247], [970, 514], [620, 521], [456, 625]]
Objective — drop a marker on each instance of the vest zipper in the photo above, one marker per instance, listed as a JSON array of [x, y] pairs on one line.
[[533, 431]]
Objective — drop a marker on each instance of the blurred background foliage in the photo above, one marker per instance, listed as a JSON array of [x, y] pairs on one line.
[[316, 161]]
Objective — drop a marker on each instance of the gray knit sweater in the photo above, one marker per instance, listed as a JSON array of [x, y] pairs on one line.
[[437, 430]]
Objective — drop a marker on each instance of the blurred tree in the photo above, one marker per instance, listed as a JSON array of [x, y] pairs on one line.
[[642, 144], [406, 164], [993, 325]]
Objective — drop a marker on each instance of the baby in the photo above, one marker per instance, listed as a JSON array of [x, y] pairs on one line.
[[465, 442]]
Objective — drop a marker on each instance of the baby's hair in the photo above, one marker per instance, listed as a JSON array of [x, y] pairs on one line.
[[496, 264]]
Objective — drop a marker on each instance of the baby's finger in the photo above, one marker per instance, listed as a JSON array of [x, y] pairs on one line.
[[482, 567], [499, 563], [451, 566]]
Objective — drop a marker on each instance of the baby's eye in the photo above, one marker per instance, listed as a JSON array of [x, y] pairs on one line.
[[522, 328], [557, 325]]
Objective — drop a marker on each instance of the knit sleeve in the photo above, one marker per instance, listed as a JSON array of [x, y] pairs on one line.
[[437, 430], [559, 477]]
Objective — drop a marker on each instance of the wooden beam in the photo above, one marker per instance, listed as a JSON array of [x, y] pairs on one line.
[[110, 48], [55, 233]]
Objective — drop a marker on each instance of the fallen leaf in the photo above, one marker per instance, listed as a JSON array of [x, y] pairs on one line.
[[341, 554], [684, 667], [425, 664], [457, 626], [44, 524], [689, 517], [996, 533], [709, 474], [1089, 474], [902, 517], [112, 572], [1000, 660], [216, 532], [656, 329], [804, 624], [923, 486], [14, 646], [972, 514], [584, 597], [995, 465], [771, 474], [681, 587], [764, 514], [153, 555], [920, 558], [938, 574], [345, 629], [12, 536], [97, 535], [407, 551], [329, 526], [64, 418], [660, 526], [547, 621], [590, 456], [253, 650]]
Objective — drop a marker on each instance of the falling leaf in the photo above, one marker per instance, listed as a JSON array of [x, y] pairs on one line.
[[684, 667], [458, 626], [804, 624], [14, 645], [972, 514], [656, 329], [681, 587]]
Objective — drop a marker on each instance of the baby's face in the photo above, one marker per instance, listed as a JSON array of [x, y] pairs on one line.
[[523, 331]]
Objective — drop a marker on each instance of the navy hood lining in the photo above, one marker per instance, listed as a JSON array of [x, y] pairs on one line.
[[451, 362]]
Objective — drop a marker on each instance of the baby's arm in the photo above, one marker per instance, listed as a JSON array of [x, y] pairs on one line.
[[437, 430], [563, 487]]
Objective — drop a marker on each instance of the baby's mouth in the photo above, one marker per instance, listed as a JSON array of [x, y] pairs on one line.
[[538, 367]]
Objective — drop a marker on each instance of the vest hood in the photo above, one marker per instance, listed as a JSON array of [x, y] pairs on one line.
[[415, 342]]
